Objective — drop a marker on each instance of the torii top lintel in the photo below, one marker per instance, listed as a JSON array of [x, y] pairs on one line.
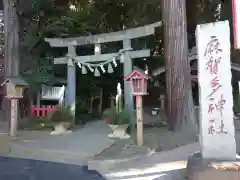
[[106, 37]]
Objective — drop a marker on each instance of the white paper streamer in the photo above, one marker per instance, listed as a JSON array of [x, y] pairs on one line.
[[84, 70], [102, 68], [90, 68], [110, 68], [96, 73], [114, 62]]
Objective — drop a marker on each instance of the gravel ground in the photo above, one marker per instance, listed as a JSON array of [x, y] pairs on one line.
[[155, 140], [22, 169]]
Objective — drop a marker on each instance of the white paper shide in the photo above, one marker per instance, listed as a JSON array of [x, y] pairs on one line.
[[217, 134]]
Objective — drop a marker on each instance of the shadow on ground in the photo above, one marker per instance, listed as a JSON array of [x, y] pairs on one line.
[[23, 169], [168, 165], [165, 171], [168, 175]]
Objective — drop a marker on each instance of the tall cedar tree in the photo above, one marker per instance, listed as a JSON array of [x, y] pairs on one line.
[[11, 41], [178, 79]]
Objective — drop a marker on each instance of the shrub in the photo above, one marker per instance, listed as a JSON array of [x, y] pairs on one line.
[[111, 116], [45, 123], [37, 123], [62, 114]]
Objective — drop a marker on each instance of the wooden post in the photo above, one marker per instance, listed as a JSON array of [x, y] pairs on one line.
[[128, 97], [139, 120], [71, 81], [162, 101], [14, 117]]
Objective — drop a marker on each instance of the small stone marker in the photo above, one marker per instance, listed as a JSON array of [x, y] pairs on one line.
[[217, 133]]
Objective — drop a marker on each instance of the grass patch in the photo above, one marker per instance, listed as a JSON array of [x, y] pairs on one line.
[[38, 123]]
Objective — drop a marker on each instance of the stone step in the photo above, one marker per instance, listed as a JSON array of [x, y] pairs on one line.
[[175, 155], [116, 154], [128, 153], [108, 164]]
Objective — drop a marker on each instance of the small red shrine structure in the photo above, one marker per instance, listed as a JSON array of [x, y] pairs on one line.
[[138, 82]]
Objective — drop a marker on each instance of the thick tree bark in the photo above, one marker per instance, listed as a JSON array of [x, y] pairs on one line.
[[11, 34], [178, 79], [11, 41]]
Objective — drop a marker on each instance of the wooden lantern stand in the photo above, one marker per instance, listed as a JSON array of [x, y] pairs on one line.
[[139, 88], [14, 91], [139, 115], [14, 117]]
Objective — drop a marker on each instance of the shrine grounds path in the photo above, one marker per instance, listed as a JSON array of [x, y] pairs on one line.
[[164, 165]]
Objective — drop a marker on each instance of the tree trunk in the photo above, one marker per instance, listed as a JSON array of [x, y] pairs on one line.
[[11, 34], [11, 41], [178, 79]]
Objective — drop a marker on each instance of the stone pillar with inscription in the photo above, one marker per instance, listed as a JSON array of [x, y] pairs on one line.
[[216, 101], [217, 133]]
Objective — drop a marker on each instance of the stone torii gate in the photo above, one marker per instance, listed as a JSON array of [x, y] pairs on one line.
[[125, 36]]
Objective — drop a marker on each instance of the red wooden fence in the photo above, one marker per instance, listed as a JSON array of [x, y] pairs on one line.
[[42, 111]]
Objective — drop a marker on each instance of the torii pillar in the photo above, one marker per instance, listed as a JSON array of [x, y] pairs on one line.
[[128, 97], [71, 79]]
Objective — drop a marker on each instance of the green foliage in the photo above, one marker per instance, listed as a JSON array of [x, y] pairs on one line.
[[62, 114], [45, 123], [36, 123], [33, 15], [44, 70], [111, 116], [81, 106], [51, 18]]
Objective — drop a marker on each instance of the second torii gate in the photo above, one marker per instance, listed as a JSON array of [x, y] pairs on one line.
[[125, 36]]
